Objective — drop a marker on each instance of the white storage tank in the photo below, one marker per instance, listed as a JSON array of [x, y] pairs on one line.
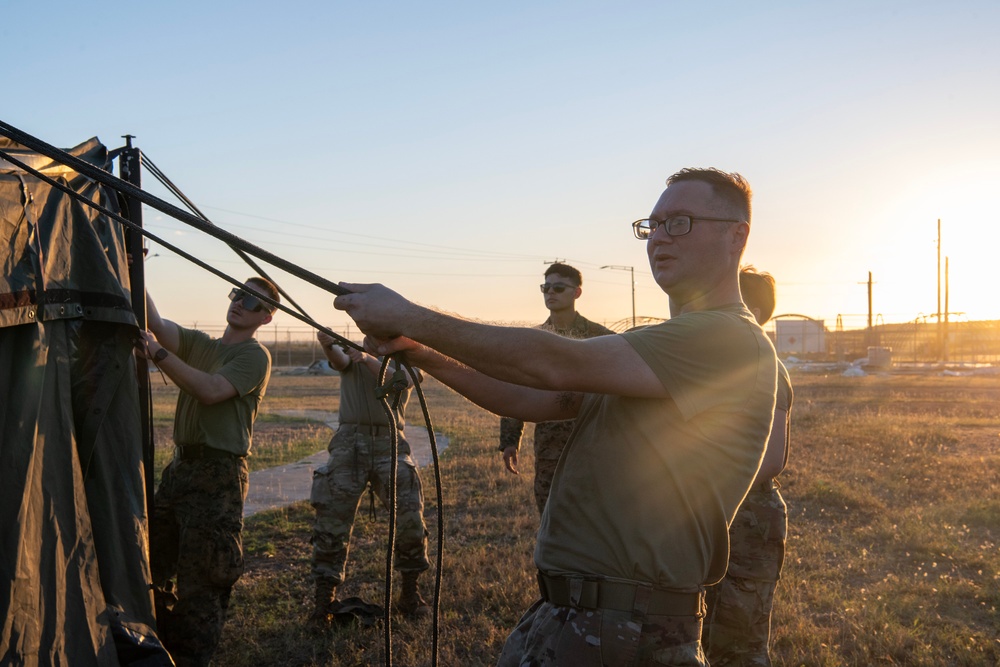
[[799, 337]]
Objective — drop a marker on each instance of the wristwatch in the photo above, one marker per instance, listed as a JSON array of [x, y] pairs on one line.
[[160, 355]]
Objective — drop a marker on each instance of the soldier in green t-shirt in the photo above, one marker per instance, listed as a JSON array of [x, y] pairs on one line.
[[360, 458], [672, 421], [195, 534]]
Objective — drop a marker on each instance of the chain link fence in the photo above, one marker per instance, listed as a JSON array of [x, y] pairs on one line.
[[797, 336], [919, 341]]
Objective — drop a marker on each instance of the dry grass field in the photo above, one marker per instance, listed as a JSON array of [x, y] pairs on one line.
[[893, 487]]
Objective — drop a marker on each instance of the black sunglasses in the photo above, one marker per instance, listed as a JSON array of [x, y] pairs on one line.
[[250, 302], [558, 288]]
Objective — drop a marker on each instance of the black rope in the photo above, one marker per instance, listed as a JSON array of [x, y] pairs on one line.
[[162, 178], [393, 468], [439, 560], [400, 361], [191, 258]]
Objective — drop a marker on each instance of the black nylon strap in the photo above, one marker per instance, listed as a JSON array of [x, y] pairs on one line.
[[581, 593]]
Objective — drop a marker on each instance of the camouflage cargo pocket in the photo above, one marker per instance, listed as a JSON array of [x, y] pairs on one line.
[[227, 559], [320, 496]]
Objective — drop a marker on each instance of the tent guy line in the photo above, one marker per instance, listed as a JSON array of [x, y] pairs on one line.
[[167, 183], [191, 258], [127, 188]]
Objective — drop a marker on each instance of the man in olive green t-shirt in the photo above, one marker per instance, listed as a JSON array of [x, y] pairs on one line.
[[672, 422], [195, 534], [361, 457]]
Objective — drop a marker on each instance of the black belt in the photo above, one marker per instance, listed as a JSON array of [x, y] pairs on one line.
[[194, 452], [370, 429], [581, 593]]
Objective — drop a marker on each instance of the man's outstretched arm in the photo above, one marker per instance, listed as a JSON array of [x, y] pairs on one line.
[[519, 356], [497, 396]]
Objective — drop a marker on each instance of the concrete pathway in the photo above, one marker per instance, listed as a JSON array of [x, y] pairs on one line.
[[284, 485]]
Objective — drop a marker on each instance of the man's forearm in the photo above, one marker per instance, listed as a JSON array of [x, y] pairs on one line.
[[205, 387], [491, 349], [385, 315], [338, 358], [497, 396], [166, 332]]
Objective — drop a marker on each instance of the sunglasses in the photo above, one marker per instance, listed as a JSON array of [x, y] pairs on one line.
[[250, 302], [558, 288]]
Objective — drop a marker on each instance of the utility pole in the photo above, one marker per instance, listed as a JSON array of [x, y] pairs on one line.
[[630, 269], [869, 300], [869, 336], [840, 338], [940, 322], [944, 344]]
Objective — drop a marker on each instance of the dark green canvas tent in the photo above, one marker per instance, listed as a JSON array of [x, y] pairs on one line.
[[74, 568]]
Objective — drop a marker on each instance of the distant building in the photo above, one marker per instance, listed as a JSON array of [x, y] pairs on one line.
[[800, 336]]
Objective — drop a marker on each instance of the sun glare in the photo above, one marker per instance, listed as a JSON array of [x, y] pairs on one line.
[[963, 198]]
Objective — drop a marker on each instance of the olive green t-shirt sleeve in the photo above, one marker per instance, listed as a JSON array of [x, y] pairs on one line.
[[701, 359], [248, 370]]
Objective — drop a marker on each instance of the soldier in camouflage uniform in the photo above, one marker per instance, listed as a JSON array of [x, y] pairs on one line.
[[361, 455], [738, 624], [562, 287], [195, 534]]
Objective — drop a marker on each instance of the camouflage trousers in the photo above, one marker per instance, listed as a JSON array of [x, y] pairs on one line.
[[549, 635], [738, 624], [195, 536], [356, 460]]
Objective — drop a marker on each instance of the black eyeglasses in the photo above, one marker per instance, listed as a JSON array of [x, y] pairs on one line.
[[250, 302], [558, 288], [675, 225]]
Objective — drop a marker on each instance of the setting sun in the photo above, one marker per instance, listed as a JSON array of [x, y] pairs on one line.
[[963, 198]]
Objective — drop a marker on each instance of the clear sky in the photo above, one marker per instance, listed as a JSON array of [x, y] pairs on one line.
[[450, 149]]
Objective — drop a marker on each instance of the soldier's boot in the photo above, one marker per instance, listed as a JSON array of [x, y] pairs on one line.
[[410, 602], [324, 596]]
